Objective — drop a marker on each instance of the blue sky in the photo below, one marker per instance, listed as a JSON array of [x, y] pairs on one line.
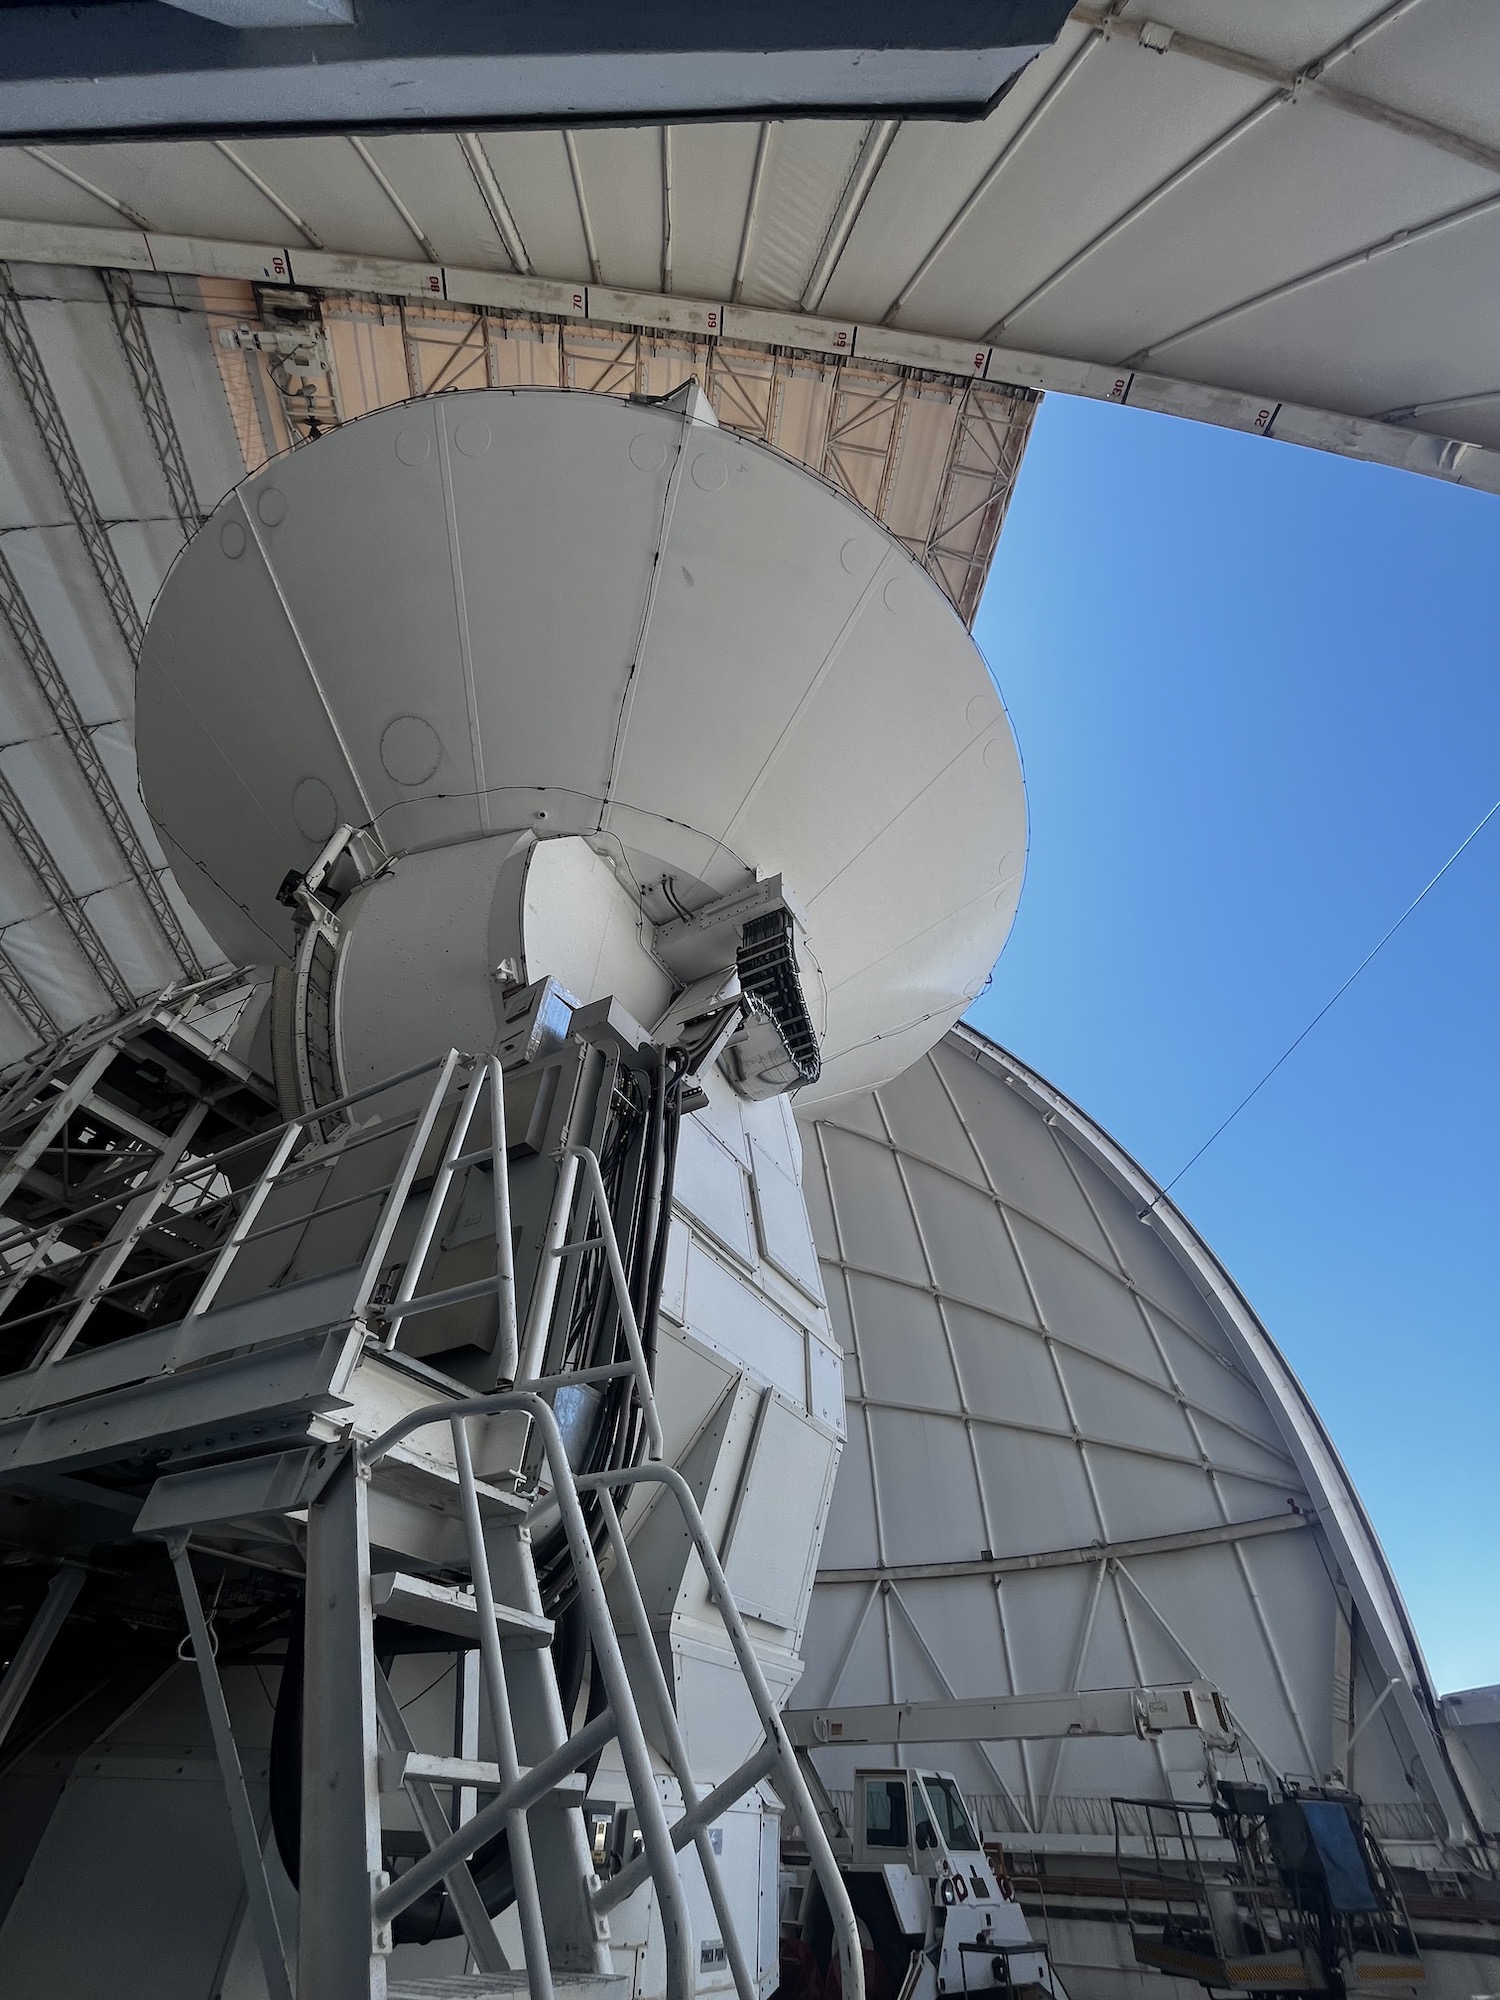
[[1256, 693]]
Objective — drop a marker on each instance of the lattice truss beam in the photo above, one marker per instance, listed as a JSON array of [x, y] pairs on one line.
[[20, 622], [934, 459]]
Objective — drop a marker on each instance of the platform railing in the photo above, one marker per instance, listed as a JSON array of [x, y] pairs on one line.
[[661, 1841], [382, 1266], [147, 1199], [137, 1204]]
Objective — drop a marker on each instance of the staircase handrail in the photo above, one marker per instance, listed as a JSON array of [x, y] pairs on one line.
[[657, 1837], [651, 1816]]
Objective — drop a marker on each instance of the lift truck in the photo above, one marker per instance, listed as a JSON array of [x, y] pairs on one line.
[[1263, 1889], [939, 1917]]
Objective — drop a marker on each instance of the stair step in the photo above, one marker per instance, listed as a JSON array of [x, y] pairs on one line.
[[440, 1607], [396, 1771], [504, 1985], [432, 1484]]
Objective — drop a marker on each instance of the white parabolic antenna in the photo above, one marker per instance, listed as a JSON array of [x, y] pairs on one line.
[[485, 622]]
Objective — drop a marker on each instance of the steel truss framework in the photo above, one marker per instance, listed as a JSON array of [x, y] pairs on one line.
[[50, 880], [26, 361], [934, 459], [37, 656], [414, 1479], [152, 397], [1197, 1418]]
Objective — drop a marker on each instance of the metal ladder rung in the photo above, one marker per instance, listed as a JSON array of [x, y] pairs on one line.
[[442, 1607], [428, 1481], [509, 1986]]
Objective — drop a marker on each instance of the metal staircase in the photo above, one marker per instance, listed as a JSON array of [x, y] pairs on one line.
[[274, 1416]]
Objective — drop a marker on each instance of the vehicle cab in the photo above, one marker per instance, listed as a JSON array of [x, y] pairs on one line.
[[964, 1931]]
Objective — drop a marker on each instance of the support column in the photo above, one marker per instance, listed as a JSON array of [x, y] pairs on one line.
[[337, 1954], [577, 1939], [241, 1814], [32, 1652], [1342, 1708]]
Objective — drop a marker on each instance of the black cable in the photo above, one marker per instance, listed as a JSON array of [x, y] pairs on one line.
[[595, 1339], [619, 1436], [1291, 1048], [618, 1442], [669, 890]]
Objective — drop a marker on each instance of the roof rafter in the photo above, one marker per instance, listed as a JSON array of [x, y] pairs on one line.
[[493, 197], [879, 137], [60, 167], [1059, 83], [23, 998], [152, 397], [26, 361], [1310, 82], [34, 650], [1401, 239], [1285, 90], [752, 208], [55, 886], [1083, 1555], [378, 175], [575, 168], [262, 186]]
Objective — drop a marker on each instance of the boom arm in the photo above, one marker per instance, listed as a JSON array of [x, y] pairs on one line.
[[1140, 1711]]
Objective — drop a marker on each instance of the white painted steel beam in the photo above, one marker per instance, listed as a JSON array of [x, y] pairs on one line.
[[1140, 1545], [339, 1956], [874, 147], [1430, 453], [585, 222], [135, 1219], [432, 1819], [1334, 267], [242, 166], [1312, 81], [752, 209], [1179, 176], [30, 1656], [382, 181], [1133, 1711], [71, 174], [493, 197], [1073, 1432], [1093, 36], [58, 1111]]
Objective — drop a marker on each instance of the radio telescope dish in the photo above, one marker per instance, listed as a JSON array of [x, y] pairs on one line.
[[504, 612]]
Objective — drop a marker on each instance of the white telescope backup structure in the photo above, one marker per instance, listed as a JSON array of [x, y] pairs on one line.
[[586, 780]]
